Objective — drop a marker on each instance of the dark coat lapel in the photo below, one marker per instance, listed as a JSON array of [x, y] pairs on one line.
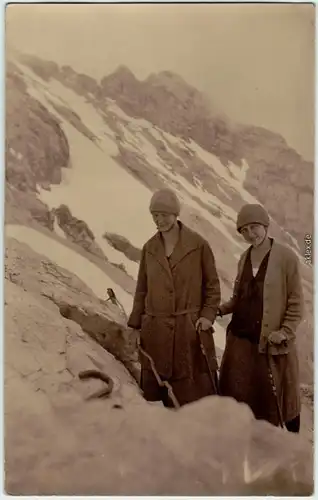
[[188, 242], [156, 248]]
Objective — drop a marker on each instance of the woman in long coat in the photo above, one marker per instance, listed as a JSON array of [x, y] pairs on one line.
[[260, 356], [178, 291]]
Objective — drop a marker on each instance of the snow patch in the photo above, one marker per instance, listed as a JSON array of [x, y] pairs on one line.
[[58, 230], [159, 136], [100, 192], [112, 106], [220, 188], [67, 258], [80, 106], [232, 174], [239, 172]]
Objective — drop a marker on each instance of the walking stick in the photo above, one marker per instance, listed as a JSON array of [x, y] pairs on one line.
[[160, 382], [211, 374], [271, 371]]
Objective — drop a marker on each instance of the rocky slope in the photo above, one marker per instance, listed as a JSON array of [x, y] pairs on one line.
[[36, 149], [277, 172], [281, 179], [98, 318], [58, 443], [277, 175]]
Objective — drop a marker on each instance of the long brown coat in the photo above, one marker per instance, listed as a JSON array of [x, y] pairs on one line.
[[283, 310], [170, 297]]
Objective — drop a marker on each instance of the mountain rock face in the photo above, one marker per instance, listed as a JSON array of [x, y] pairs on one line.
[[213, 447], [277, 175], [170, 103], [36, 148], [281, 179], [23, 207]]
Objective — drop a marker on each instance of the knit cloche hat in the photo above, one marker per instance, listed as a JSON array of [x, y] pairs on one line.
[[165, 201], [252, 214]]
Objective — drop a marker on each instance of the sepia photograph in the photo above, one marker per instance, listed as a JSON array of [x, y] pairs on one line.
[[159, 249]]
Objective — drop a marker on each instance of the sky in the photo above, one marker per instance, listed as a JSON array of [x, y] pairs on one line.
[[254, 61]]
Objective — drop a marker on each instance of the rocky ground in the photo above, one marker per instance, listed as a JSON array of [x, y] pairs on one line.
[[58, 442]]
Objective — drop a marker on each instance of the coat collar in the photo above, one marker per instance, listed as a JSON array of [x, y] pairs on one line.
[[188, 241]]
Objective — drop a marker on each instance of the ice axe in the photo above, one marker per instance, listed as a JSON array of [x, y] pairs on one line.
[[162, 383], [271, 371], [203, 350]]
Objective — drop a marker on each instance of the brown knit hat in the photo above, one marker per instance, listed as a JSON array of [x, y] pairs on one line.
[[252, 214], [165, 201]]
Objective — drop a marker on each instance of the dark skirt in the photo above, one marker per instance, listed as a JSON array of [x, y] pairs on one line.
[[244, 376]]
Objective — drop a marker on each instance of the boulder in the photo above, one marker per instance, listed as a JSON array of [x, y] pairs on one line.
[[78, 231], [123, 245]]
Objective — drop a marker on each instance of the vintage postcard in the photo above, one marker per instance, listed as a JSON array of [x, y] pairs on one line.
[[159, 249]]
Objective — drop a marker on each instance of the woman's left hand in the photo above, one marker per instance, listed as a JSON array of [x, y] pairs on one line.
[[277, 338], [204, 323]]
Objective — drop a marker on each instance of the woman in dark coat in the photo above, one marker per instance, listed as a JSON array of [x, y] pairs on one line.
[[178, 291], [260, 356]]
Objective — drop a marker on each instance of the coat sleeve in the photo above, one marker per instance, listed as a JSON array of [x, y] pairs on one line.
[[138, 309], [228, 307], [211, 284], [295, 302]]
